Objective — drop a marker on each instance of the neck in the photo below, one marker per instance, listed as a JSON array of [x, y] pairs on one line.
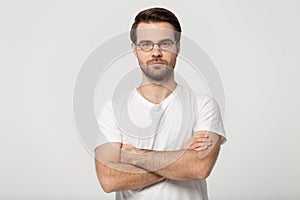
[[156, 91]]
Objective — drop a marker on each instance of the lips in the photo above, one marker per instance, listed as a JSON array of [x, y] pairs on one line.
[[156, 62]]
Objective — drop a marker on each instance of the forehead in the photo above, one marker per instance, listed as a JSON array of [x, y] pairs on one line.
[[154, 31]]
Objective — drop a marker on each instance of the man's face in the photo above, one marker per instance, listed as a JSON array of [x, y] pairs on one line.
[[157, 63]]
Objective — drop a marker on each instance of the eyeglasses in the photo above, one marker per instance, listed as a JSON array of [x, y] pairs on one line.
[[163, 45]]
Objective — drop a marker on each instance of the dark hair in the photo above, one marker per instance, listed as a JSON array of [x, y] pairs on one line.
[[155, 15]]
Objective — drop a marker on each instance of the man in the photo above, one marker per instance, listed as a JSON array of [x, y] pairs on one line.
[[160, 141]]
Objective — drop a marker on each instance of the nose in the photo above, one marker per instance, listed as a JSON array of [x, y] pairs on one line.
[[156, 51]]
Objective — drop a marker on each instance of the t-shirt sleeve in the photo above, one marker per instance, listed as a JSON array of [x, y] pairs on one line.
[[209, 117], [108, 130]]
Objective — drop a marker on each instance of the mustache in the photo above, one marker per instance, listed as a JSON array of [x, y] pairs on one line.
[[156, 60]]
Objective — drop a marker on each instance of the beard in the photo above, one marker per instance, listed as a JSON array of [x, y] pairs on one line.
[[157, 72]]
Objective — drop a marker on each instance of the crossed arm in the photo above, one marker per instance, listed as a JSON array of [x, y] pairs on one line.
[[115, 176], [123, 167]]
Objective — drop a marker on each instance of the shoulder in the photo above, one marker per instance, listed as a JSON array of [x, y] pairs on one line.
[[113, 105], [206, 101], [200, 99]]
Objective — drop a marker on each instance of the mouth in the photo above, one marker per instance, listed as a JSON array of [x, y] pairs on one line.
[[157, 63]]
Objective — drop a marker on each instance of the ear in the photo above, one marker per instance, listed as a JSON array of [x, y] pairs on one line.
[[178, 48], [134, 48]]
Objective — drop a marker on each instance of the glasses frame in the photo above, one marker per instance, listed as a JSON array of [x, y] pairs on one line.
[[158, 44]]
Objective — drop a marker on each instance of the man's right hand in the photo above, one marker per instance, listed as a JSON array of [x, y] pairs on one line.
[[198, 142]]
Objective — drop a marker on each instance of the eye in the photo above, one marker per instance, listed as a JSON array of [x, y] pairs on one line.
[[146, 44], [166, 44]]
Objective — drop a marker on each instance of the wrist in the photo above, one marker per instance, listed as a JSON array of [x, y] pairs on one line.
[[140, 157]]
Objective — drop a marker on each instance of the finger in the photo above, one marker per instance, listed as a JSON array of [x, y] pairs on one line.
[[200, 135], [201, 148], [201, 140], [200, 144], [197, 139]]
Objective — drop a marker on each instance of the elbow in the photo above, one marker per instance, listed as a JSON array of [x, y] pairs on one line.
[[106, 181], [107, 184], [203, 171], [107, 189], [203, 174]]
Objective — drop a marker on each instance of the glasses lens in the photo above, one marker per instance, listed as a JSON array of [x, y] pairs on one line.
[[166, 45], [146, 45]]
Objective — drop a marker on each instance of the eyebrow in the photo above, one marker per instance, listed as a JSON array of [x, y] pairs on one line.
[[167, 39]]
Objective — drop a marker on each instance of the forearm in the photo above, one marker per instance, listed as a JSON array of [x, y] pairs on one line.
[[177, 165], [190, 165], [180, 167], [120, 176]]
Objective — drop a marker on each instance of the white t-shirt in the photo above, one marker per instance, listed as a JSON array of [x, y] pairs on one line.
[[162, 127]]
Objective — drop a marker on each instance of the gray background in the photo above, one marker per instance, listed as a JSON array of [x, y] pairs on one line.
[[254, 44]]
